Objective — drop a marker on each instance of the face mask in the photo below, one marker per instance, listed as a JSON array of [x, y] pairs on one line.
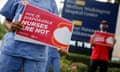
[[104, 28]]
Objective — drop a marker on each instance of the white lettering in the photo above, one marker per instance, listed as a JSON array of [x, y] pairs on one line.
[[42, 31]]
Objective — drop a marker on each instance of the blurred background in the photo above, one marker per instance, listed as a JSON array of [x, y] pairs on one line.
[[80, 48]]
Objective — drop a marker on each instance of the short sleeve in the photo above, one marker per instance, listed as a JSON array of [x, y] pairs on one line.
[[54, 7], [9, 9]]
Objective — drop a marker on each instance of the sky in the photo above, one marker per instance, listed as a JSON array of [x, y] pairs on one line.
[[2, 2]]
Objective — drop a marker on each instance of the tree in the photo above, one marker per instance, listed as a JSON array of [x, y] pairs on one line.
[[2, 31], [117, 1]]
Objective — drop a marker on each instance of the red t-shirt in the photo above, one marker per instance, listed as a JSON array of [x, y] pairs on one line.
[[100, 53]]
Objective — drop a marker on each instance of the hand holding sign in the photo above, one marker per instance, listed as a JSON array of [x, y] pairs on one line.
[[43, 27], [103, 38]]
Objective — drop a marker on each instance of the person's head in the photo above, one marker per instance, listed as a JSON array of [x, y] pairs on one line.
[[104, 26]]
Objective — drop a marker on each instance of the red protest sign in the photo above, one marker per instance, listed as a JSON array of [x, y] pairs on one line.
[[103, 38], [43, 27]]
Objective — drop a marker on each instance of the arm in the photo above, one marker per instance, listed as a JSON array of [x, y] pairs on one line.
[[92, 40], [12, 26], [62, 51], [9, 11], [114, 41]]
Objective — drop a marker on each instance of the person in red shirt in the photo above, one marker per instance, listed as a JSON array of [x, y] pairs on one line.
[[100, 54]]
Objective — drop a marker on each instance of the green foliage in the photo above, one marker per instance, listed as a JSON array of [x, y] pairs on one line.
[[79, 63], [82, 62], [2, 31], [80, 67], [117, 1], [86, 59], [69, 66], [78, 58], [65, 65], [113, 64], [113, 69]]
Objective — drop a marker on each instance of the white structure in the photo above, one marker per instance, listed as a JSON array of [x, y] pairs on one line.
[[116, 52]]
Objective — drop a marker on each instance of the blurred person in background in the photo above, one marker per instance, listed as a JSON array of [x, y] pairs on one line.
[[100, 54]]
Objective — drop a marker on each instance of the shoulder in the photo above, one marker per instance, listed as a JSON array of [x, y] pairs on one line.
[[12, 2], [9, 8]]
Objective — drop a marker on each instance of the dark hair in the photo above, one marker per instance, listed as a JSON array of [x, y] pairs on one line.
[[104, 22]]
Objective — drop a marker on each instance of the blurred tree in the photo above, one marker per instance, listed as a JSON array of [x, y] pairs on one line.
[[2, 31], [117, 1]]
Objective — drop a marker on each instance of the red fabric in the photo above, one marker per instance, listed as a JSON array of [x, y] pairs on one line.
[[100, 53]]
